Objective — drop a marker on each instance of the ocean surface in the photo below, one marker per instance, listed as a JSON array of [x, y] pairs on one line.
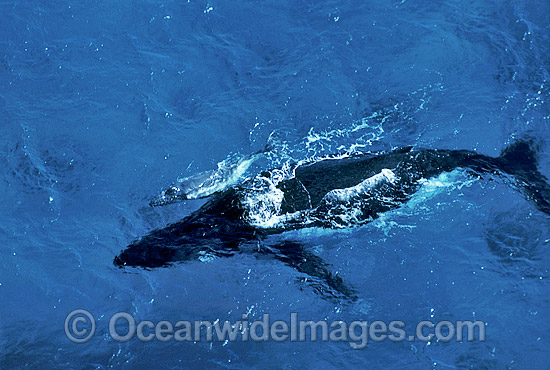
[[104, 104]]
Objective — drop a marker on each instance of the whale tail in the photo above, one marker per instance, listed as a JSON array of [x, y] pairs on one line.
[[520, 160]]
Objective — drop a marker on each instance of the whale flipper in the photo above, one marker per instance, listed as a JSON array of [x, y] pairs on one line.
[[323, 281]]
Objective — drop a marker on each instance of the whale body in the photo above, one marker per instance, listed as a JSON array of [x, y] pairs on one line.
[[331, 193]]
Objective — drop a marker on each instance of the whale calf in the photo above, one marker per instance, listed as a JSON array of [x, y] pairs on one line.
[[331, 193], [207, 183]]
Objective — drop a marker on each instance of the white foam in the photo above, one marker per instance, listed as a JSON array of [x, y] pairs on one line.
[[346, 194], [263, 199], [264, 206], [349, 138]]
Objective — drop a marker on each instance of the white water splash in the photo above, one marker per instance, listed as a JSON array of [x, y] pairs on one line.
[[263, 199], [358, 135], [346, 194], [445, 182]]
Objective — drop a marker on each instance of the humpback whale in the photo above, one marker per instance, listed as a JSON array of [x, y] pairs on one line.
[[330, 193]]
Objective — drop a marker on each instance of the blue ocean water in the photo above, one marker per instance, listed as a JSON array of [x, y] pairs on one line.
[[104, 104]]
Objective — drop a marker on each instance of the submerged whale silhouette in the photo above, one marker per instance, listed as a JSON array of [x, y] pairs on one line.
[[334, 192], [206, 183]]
